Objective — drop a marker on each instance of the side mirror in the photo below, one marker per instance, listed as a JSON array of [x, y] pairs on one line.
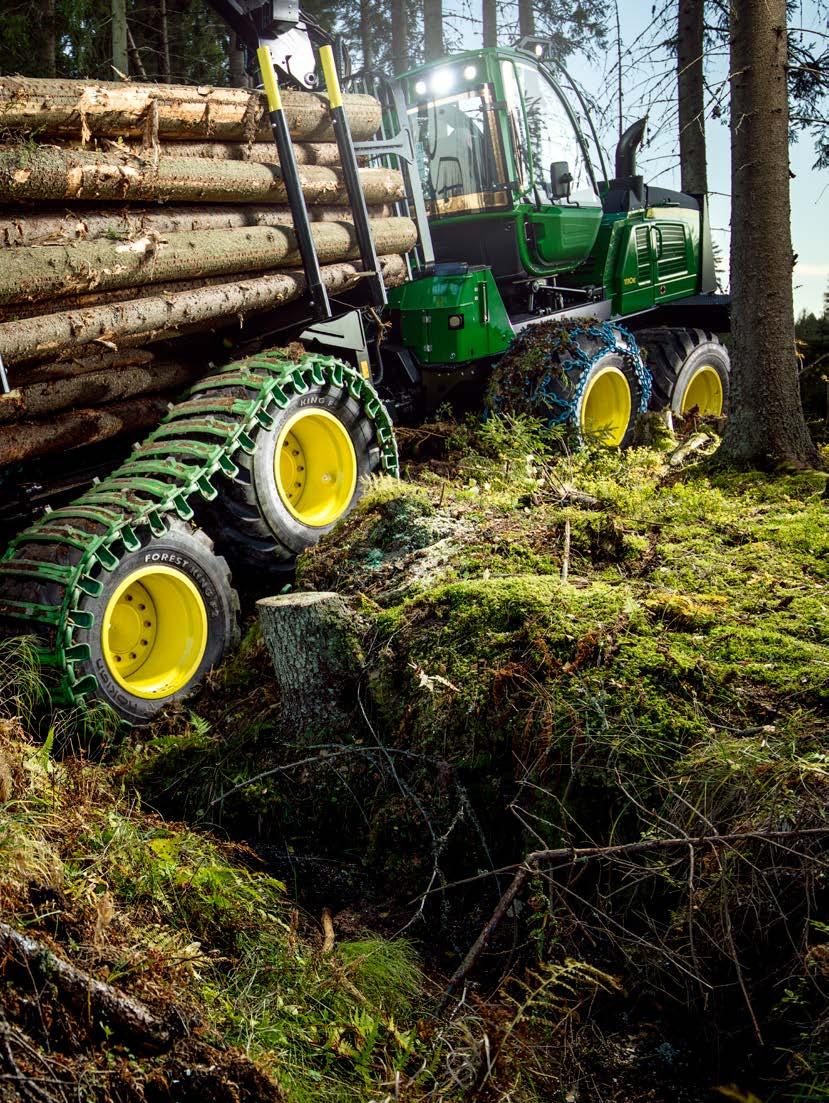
[[561, 180]]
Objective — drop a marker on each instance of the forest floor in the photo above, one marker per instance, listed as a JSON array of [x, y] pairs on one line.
[[560, 651]]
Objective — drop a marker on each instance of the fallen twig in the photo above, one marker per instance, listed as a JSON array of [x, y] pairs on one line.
[[530, 863]]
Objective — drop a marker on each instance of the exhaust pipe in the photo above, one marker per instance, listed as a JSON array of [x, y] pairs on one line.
[[626, 149]]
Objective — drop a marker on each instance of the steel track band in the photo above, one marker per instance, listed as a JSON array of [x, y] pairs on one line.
[[162, 476]]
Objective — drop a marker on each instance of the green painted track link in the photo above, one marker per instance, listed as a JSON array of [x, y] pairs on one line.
[[49, 567]]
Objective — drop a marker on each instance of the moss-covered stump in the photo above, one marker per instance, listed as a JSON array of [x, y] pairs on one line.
[[315, 644]]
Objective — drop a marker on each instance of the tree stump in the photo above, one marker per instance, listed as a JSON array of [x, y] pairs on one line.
[[315, 644]]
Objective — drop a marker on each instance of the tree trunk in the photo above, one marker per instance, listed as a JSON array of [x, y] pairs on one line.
[[47, 272], [81, 109], [399, 37], [78, 428], [46, 335], [236, 63], [691, 96], [51, 173], [766, 426], [120, 54], [433, 29], [46, 43], [164, 39], [314, 644], [93, 389], [137, 63], [526, 18], [366, 34], [489, 11], [134, 222]]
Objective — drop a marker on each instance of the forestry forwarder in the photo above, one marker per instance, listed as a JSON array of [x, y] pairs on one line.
[[128, 598]]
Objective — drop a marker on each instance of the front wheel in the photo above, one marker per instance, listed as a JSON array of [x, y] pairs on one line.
[[307, 465], [587, 376], [161, 620]]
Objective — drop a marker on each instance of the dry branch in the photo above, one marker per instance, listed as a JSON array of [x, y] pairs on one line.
[[531, 863], [104, 1007], [82, 109], [46, 335], [52, 173], [45, 272]]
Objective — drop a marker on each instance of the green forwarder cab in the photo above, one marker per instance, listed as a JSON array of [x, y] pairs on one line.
[[527, 224]]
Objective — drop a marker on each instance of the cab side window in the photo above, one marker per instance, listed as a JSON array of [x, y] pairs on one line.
[[552, 137]]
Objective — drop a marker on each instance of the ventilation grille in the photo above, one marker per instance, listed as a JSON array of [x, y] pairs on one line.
[[643, 254], [674, 261]]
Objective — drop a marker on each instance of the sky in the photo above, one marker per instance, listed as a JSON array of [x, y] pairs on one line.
[[649, 87]]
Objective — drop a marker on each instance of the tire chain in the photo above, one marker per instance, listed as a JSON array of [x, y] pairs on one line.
[[159, 480]]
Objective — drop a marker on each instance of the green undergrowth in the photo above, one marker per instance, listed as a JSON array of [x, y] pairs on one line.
[[195, 929], [562, 650]]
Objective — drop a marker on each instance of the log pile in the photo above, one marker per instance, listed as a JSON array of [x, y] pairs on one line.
[[133, 214]]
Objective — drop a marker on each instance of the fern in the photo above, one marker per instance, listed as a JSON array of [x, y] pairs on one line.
[[552, 993]]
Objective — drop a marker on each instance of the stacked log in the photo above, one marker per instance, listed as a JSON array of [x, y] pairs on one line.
[[132, 214]]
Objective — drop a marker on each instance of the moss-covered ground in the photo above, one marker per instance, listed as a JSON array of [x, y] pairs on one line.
[[563, 650]]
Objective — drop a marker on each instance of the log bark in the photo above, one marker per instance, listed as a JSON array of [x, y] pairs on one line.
[[72, 365], [32, 400], [33, 965], [46, 335], [61, 432], [46, 272], [263, 153], [52, 173], [38, 227], [314, 643], [82, 109]]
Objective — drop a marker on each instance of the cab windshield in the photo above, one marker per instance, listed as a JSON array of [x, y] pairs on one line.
[[460, 153]]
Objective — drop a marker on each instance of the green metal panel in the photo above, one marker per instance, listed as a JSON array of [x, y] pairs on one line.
[[426, 306]]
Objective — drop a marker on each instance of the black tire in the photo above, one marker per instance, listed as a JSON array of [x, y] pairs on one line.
[[249, 519], [551, 371], [678, 357], [189, 565]]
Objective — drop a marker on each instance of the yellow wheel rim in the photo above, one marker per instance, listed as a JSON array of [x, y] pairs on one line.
[[154, 632], [606, 406], [315, 467], [704, 391]]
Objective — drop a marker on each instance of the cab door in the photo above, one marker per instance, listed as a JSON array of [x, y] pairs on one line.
[[560, 230]]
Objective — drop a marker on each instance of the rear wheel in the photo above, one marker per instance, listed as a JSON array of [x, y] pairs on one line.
[[690, 369], [588, 376]]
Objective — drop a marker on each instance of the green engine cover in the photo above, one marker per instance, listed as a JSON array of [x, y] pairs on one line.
[[452, 316]]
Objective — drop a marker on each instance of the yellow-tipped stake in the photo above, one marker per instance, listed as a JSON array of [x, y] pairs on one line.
[[332, 81], [293, 186], [351, 178], [269, 81]]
